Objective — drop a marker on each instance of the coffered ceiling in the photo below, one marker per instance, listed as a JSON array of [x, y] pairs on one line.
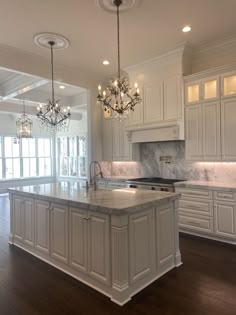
[[152, 27]]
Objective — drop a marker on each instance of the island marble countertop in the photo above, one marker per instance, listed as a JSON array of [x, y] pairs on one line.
[[116, 201], [207, 185], [115, 178]]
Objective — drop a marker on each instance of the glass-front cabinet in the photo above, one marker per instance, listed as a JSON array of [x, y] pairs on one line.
[[202, 90], [228, 85]]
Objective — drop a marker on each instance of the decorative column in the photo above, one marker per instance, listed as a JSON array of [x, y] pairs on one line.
[[178, 260], [120, 260]]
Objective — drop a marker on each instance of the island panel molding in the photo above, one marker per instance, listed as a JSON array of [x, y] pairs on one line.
[[117, 242]]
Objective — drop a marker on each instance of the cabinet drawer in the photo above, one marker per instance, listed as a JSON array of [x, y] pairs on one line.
[[224, 195], [185, 192], [201, 207], [116, 184], [196, 223]]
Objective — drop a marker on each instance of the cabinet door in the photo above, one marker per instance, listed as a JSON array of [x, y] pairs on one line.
[[193, 124], [99, 246], [29, 221], [136, 116], [116, 140], [107, 139], [42, 226], [59, 232], [18, 217], [173, 106], [228, 85], [211, 131], [78, 240], [225, 219], [142, 248], [228, 126], [153, 102], [210, 89], [193, 92], [165, 236]]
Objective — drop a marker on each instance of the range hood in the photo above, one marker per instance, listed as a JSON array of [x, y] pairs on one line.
[[155, 133]]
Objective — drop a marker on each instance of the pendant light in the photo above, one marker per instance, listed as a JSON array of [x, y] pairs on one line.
[[24, 125], [117, 99]]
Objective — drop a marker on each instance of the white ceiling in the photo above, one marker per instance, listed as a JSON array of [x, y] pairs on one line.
[[152, 27], [147, 30]]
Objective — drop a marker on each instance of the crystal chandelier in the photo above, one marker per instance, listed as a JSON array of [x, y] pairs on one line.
[[24, 126], [117, 99], [52, 115]]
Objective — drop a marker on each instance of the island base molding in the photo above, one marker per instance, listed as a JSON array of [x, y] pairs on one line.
[[116, 295]]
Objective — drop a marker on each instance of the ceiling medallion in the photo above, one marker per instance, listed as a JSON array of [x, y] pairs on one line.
[[52, 115], [118, 99], [110, 6]]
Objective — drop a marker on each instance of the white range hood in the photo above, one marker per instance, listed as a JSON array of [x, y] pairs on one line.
[[164, 132]]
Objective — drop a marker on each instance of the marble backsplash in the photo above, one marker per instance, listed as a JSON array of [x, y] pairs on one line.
[[167, 159]]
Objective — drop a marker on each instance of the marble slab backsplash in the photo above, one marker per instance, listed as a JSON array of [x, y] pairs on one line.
[[167, 159]]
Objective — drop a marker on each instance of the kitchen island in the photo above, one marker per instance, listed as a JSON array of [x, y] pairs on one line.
[[116, 241]]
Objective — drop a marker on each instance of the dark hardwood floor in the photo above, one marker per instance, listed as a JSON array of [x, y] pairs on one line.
[[204, 285]]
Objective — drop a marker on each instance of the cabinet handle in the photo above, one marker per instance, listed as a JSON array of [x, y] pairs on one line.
[[84, 218], [87, 218]]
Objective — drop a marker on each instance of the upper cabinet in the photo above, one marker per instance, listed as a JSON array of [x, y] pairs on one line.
[[210, 123], [202, 90], [161, 102]]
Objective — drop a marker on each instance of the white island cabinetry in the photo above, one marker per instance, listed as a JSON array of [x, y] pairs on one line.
[[116, 241]]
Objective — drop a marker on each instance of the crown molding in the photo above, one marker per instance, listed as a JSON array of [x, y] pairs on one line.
[[216, 44]]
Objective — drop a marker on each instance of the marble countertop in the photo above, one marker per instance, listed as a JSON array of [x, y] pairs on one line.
[[116, 201], [115, 178], [207, 185]]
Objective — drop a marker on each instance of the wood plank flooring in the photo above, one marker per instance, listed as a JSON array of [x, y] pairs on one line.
[[204, 285]]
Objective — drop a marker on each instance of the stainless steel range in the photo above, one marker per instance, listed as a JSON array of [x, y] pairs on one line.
[[153, 183]]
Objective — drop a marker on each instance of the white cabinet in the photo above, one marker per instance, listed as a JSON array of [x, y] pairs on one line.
[[164, 236], [153, 102], [173, 105], [206, 212], [142, 246], [202, 122], [78, 239], [107, 139], [59, 232], [202, 90], [211, 131], [42, 226], [193, 127], [225, 219], [161, 102], [228, 84], [228, 125], [89, 241], [116, 146], [23, 218]]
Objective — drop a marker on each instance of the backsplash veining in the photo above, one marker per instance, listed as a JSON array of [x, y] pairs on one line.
[[167, 159]]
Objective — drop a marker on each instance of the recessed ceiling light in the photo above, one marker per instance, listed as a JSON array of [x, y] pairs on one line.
[[106, 62], [62, 86], [186, 29]]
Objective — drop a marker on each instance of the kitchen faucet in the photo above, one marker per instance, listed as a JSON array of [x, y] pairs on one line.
[[92, 179]]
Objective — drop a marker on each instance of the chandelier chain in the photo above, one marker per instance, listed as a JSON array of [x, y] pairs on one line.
[[51, 43], [118, 38]]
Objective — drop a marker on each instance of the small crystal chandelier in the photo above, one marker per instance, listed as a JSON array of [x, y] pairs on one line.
[[24, 126], [117, 99], [52, 115]]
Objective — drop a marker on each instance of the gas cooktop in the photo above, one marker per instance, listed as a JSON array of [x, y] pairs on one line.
[[155, 180]]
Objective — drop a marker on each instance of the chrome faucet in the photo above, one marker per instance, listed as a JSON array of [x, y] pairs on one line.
[[92, 179]]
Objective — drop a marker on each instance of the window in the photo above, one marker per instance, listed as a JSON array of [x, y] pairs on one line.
[[72, 156], [25, 157]]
